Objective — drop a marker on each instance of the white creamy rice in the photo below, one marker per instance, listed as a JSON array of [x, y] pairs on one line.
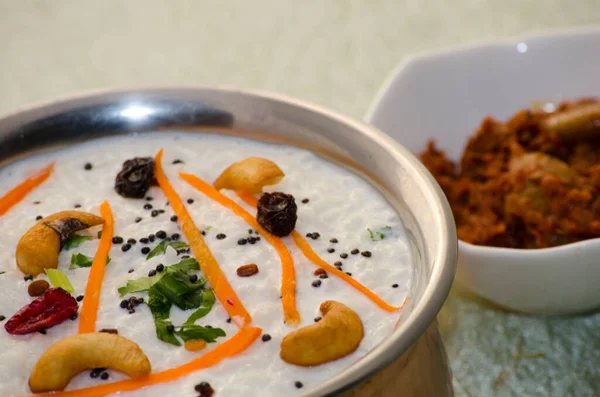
[[341, 205]]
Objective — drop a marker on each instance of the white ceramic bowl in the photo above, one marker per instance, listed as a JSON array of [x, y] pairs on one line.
[[445, 95]]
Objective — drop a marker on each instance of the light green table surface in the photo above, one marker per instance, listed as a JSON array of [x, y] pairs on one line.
[[335, 53]]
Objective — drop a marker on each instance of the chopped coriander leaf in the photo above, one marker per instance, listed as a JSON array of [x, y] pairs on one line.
[[144, 283], [186, 265], [208, 300], [160, 307], [75, 241], [59, 280], [378, 235], [192, 332], [173, 286], [80, 260], [139, 285], [161, 248], [178, 289]]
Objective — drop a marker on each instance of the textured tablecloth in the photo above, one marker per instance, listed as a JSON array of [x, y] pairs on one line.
[[335, 53]]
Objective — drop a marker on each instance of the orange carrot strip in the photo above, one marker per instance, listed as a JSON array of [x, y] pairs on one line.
[[288, 276], [236, 345], [89, 310], [248, 198], [208, 263], [401, 307], [19, 192], [311, 255]]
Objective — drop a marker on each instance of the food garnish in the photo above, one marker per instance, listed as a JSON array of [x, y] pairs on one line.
[[195, 345], [336, 335], [161, 248], [52, 308], [59, 280], [134, 180], [208, 263], [75, 241], [236, 345], [251, 174], [39, 247], [247, 270], [80, 260], [74, 354], [174, 286], [19, 192], [288, 276], [37, 288], [277, 213], [144, 283], [379, 234], [89, 310], [308, 252]]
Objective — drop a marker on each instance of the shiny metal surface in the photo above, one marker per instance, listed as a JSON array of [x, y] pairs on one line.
[[390, 167]]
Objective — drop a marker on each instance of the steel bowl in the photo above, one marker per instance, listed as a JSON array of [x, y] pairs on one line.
[[412, 359]]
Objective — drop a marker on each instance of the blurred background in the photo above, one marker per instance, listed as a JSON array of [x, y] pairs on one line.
[[336, 54]]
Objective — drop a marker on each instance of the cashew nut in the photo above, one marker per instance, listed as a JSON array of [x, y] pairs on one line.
[[336, 335], [577, 123], [74, 354], [39, 247], [251, 174]]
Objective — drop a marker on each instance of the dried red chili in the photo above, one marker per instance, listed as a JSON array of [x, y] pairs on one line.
[[52, 308]]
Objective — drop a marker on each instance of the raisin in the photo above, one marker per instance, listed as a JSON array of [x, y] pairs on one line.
[[134, 180], [319, 271], [277, 213], [247, 270], [38, 287], [50, 309]]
